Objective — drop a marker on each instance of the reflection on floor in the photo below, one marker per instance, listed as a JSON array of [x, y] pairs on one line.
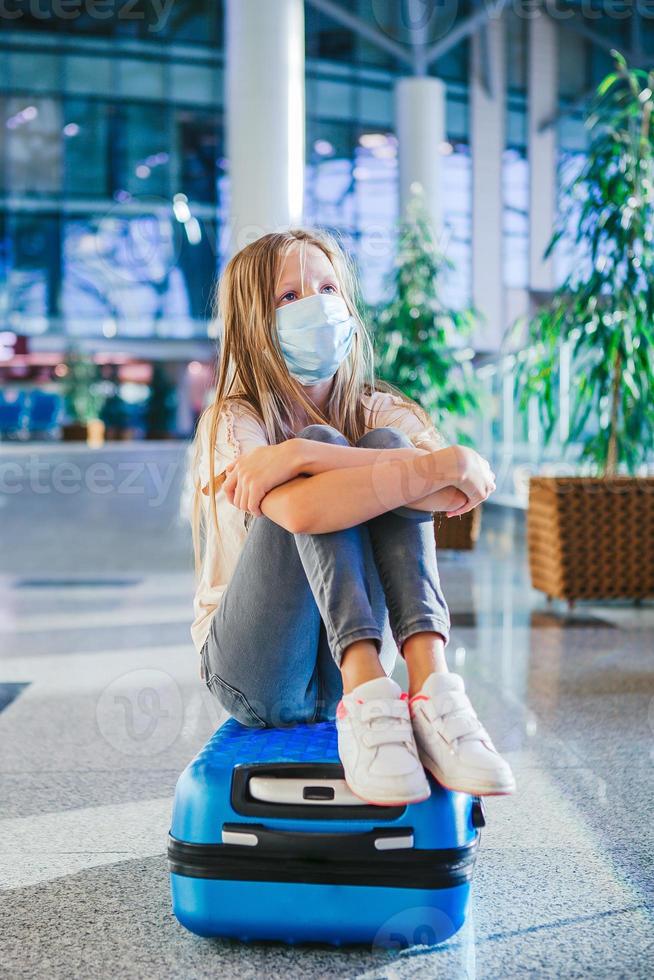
[[101, 707]]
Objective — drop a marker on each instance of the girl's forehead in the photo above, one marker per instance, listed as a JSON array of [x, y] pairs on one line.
[[309, 259]]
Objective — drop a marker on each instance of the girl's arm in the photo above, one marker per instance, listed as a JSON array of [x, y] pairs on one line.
[[340, 498], [249, 478], [319, 457]]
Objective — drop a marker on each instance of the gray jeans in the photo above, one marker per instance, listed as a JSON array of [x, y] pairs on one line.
[[295, 602]]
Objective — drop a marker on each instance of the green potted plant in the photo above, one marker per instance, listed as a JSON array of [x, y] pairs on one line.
[[415, 332], [83, 399], [161, 407], [591, 535]]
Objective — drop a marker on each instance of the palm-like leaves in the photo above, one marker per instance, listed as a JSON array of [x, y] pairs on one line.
[[414, 331], [605, 307], [82, 395]]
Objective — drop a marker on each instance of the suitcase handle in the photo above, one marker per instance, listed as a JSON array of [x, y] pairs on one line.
[[243, 802], [292, 843]]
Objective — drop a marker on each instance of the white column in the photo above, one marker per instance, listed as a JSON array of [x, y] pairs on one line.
[[420, 128], [542, 92], [265, 116], [487, 140]]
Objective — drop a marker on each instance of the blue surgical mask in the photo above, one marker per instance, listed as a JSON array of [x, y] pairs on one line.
[[315, 334]]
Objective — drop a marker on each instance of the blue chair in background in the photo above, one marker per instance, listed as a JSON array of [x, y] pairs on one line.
[[44, 412], [12, 415]]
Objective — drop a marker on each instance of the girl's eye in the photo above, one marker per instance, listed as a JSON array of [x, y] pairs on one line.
[[291, 295]]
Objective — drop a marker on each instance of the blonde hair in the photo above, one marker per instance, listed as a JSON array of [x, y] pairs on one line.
[[251, 367]]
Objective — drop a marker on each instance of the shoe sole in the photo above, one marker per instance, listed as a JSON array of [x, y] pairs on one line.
[[396, 802], [405, 802], [504, 790]]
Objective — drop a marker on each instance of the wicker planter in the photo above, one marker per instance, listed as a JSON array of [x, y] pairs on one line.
[[591, 538], [457, 533]]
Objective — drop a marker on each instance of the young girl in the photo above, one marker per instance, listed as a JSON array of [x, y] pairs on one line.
[[315, 489]]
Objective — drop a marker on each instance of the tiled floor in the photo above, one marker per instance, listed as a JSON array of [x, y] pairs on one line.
[[101, 707]]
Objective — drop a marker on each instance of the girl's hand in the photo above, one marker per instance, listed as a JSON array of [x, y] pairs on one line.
[[250, 477], [449, 500], [472, 476]]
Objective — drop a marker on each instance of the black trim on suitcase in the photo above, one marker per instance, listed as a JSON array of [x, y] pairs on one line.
[[321, 861], [243, 802], [320, 846]]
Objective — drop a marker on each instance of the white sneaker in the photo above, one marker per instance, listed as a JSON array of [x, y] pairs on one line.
[[452, 743], [377, 747]]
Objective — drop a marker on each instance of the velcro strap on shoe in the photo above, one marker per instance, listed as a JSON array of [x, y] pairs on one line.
[[453, 701], [387, 733], [377, 708], [456, 726], [428, 707]]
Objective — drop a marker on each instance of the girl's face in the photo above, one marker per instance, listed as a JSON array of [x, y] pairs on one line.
[[319, 276]]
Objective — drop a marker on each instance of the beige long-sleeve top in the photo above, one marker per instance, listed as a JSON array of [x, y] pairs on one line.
[[239, 431]]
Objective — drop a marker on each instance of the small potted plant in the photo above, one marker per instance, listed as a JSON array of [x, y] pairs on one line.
[[416, 352], [83, 400], [591, 535]]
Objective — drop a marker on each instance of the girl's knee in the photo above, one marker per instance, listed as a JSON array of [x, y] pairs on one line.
[[268, 711], [235, 703], [385, 437], [323, 433]]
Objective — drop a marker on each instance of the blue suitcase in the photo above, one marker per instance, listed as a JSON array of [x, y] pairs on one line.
[[267, 842]]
